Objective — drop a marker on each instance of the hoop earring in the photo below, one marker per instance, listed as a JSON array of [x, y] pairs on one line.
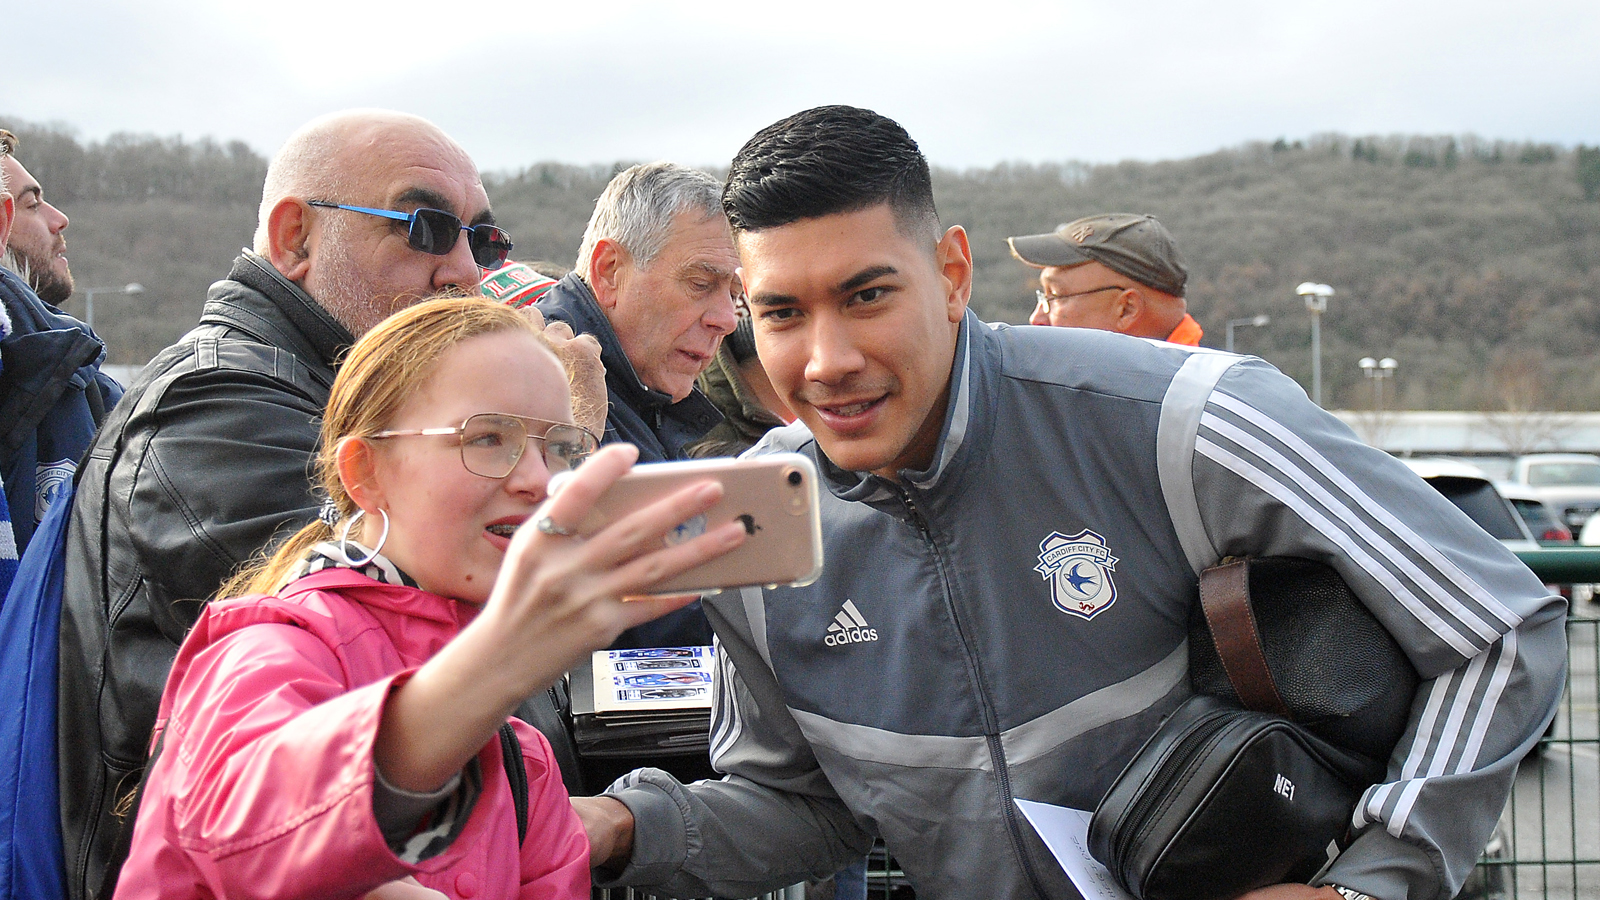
[[344, 538]]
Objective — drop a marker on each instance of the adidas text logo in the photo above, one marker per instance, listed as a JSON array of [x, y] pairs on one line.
[[848, 627]]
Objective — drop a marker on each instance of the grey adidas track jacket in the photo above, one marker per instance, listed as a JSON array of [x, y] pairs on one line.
[[1011, 623]]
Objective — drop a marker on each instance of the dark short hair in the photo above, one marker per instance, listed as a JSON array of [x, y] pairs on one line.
[[828, 160]]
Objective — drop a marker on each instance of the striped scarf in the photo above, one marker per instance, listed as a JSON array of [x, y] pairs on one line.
[[340, 555]]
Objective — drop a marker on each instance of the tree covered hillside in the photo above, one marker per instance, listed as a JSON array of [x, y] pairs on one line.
[[1474, 263]]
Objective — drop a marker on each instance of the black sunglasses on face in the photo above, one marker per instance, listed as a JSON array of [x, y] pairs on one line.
[[435, 231]]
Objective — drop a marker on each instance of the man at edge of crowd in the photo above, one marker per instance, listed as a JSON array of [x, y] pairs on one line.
[[1014, 528], [52, 393], [38, 247]]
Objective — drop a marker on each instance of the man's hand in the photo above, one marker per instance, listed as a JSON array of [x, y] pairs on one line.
[[580, 354], [1292, 892], [609, 825]]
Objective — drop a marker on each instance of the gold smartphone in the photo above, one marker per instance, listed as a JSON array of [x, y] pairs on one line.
[[774, 497]]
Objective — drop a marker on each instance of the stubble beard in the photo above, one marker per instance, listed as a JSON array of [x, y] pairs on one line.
[[52, 288], [344, 289]]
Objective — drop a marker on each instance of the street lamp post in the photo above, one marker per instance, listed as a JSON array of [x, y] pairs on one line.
[[88, 317], [1376, 371], [1316, 302], [1252, 321]]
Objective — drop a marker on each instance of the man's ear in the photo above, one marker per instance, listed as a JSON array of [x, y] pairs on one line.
[[954, 257], [289, 238], [357, 464], [1130, 307], [606, 263], [8, 210]]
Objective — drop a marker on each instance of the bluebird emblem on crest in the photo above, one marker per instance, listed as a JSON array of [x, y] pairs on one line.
[[1079, 571], [49, 479]]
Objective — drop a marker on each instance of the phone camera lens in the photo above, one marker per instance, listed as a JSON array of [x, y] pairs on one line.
[[794, 477]]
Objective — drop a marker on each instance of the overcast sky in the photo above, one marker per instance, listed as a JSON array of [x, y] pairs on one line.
[[975, 83]]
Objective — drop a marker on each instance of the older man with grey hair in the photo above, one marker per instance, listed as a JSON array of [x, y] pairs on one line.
[[654, 283]]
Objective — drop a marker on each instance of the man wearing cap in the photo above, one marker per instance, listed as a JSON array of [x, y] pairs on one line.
[[1115, 272]]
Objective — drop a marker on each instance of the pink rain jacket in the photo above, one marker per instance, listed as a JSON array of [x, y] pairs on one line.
[[263, 786]]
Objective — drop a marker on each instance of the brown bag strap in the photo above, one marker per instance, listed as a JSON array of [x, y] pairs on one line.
[[1225, 600]]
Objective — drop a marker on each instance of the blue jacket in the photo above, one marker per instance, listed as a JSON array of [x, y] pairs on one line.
[[32, 865], [52, 398], [646, 418]]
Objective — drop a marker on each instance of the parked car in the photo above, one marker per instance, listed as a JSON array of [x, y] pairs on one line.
[[1588, 536], [1466, 486], [1568, 482], [1473, 493], [1543, 521]]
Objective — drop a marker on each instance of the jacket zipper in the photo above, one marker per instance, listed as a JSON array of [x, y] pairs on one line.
[[991, 725]]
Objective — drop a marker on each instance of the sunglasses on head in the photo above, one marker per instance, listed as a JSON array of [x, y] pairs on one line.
[[435, 231]]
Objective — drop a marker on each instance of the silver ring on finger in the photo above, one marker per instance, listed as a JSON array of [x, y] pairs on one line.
[[547, 525]]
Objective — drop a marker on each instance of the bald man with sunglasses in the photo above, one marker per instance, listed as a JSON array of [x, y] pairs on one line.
[[206, 459]]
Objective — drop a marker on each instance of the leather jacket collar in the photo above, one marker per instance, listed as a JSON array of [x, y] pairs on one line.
[[316, 334]]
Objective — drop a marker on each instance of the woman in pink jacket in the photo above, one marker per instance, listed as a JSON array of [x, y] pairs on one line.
[[334, 732]]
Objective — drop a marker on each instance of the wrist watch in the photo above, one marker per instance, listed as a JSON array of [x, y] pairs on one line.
[[1350, 893]]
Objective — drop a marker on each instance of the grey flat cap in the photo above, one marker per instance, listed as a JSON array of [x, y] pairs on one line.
[[1134, 245]]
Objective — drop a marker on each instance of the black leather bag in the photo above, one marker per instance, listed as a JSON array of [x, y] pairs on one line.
[[1224, 799]]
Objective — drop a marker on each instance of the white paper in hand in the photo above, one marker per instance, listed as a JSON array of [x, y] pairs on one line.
[[1066, 832]]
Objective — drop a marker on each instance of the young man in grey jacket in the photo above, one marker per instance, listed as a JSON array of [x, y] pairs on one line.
[[1015, 519]]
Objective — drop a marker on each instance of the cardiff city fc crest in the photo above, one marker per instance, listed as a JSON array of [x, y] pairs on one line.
[[1079, 571], [49, 479]]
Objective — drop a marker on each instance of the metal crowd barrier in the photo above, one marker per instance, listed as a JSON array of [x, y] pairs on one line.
[[1548, 840]]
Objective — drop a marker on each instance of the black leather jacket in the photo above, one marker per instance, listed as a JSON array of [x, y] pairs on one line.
[[204, 460]]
